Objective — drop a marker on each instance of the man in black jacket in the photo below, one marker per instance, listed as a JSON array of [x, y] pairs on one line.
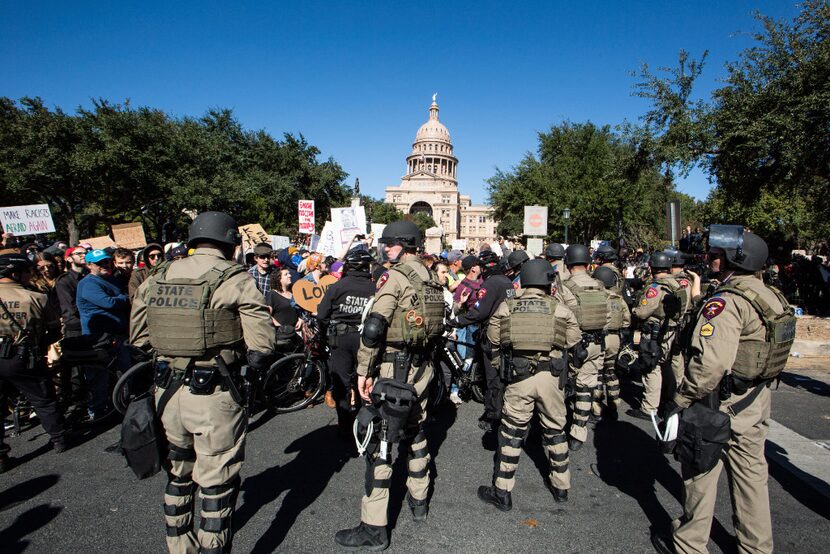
[[66, 288], [339, 313], [496, 287]]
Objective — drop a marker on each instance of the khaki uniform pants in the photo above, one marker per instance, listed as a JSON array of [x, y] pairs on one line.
[[586, 382], [747, 470], [608, 385], [207, 447], [669, 365], [540, 391], [375, 503]]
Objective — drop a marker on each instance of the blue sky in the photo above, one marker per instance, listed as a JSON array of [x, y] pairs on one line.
[[356, 77]]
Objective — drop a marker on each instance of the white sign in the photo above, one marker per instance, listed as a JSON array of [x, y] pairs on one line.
[[348, 222], [377, 231], [278, 242], [496, 247], [459, 244], [35, 219], [534, 246], [536, 221], [305, 211], [329, 243]]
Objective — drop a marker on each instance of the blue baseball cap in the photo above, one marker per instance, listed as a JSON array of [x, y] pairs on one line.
[[96, 256]]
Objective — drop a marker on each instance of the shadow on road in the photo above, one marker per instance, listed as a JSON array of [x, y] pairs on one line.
[[22, 492], [320, 454], [806, 383], [785, 473], [12, 538]]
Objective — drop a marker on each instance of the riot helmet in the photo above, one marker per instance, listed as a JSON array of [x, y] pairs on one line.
[[577, 254], [358, 259], [554, 251], [743, 250], [660, 261], [536, 273], [676, 256], [606, 275], [489, 262], [215, 227], [605, 253], [516, 259], [14, 263], [402, 232]]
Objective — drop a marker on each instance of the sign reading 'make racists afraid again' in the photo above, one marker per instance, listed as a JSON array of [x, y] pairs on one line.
[[35, 219]]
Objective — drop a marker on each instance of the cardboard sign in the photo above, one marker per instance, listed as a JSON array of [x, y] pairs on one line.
[[305, 212], [129, 235], [536, 221], [99, 243], [253, 234], [307, 295], [35, 219]]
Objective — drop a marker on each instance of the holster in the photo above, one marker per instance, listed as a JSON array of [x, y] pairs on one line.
[[401, 364], [394, 401], [164, 374], [650, 353], [202, 380], [703, 432]]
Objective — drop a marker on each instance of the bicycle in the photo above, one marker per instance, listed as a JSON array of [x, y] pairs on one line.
[[96, 361], [471, 383]]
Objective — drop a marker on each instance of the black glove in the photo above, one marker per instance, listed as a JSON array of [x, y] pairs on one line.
[[452, 323], [260, 361]]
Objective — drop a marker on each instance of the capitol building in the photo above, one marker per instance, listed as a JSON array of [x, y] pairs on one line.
[[431, 186]]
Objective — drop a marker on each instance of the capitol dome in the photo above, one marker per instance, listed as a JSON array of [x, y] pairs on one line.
[[432, 151]]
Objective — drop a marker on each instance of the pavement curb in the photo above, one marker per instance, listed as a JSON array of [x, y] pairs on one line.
[[806, 459]]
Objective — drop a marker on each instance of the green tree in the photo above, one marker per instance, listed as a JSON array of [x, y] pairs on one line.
[[379, 211], [422, 220]]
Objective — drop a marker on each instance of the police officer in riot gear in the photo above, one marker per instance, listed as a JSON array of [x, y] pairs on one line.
[[659, 314], [203, 316], [514, 262], [532, 332], [555, 254], [606, 256], [588, 300], [494, 290], [608, 385], [28, 325], [740, 344], [394, 370], [339, 313]]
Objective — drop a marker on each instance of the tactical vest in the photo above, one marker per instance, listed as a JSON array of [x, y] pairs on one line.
[[764, 359], [19, 313], [423, 320], [618, 308], [181, 322], [532, 325], [592, 305], [681, 296]]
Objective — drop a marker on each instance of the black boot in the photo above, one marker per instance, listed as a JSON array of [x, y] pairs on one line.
[[420, 508], [499, 498], [5, 462], [363, 537], [662, 543], [574, 445], [560, 495]]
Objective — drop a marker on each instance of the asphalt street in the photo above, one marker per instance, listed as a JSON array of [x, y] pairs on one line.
[[301, 485]]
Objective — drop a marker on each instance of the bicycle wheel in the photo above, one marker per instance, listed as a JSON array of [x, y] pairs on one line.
[[293, 383], [133, 382], [477, 383]]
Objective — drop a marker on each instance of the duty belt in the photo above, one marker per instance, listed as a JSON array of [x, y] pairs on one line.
[[597, 337], [535, 367]]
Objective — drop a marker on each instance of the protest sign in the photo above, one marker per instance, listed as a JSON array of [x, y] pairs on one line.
[[305, 212], [459, 244], [278, 242], [377, 231], [535, 246], [329, 243], [253, 234], [129, 235], [496, 247], [307, 295], [35, 219], [536, 221], [99, 243]]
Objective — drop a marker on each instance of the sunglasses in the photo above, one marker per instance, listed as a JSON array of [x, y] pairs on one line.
[[265, 257], [153, 256]]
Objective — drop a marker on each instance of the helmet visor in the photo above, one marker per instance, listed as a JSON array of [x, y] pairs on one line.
[[726, 237]]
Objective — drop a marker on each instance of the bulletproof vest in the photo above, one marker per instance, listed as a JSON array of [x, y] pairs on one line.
[[686, 287], [679, 295], [20, 312], [422, 320], [180, 320], [764, 359], [532, 325], [618, 288], [618, 308], [592, 305]]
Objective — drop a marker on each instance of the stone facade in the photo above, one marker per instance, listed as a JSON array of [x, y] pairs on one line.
[[430, 185]]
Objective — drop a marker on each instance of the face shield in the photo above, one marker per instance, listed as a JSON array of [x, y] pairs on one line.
[[729, 238]]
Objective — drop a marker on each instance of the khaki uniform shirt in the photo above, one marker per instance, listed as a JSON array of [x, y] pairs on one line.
[[393, 290], [648, 308], [724, 321], [573, 334], [31, 310], [239, 294]]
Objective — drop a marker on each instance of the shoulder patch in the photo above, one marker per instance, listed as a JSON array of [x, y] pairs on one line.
[[644, 302], [684, 283], [383, 279], [713, 307], [707, 330], [652, 292], [482, 292]]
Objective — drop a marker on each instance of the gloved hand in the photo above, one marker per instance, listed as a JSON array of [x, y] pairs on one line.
[[259, 361], [452, 323]]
